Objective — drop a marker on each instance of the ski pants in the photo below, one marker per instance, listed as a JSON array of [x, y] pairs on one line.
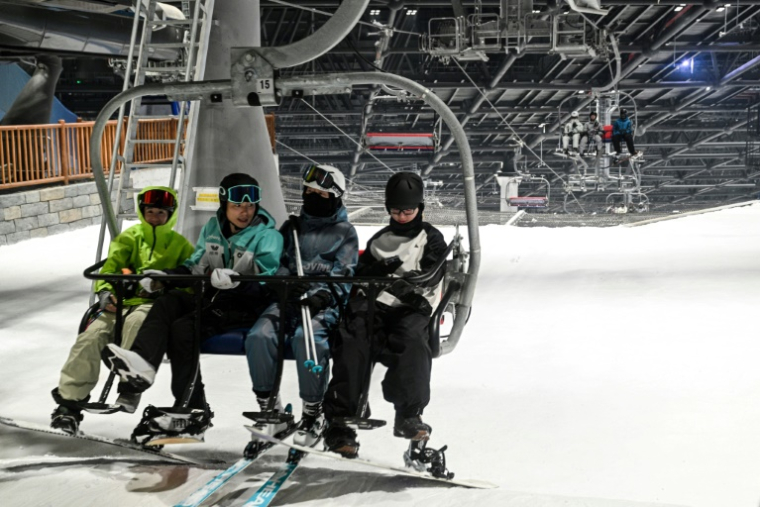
[[79, 374], [628, 141], [170, 329], [398, 339], [597, 139], [261, 349], [576, 141]]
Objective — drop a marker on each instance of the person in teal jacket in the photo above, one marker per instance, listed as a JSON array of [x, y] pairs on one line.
[[240, 239], [149, 245]]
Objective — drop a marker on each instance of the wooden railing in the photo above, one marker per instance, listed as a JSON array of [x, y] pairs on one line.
[[37, 154]]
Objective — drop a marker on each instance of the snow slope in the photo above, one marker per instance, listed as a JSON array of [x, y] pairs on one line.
[[601, 367]]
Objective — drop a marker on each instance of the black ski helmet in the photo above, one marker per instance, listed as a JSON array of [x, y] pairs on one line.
[[623, 113], [233, 180], [404, 191]]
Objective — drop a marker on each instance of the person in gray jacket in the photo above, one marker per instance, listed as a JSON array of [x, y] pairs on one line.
[[328, 247]]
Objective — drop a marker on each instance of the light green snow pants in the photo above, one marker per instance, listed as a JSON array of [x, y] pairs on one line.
[[80, 373]]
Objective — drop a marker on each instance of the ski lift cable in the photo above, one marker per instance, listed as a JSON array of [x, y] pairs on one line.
[[514, 132], [323, 13], [362, 148]]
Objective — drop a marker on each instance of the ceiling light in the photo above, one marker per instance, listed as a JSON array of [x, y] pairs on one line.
[[720, 9], [411, 12], [727, 6], [709, 88], [536, 11], [678, 8], [374, 12]]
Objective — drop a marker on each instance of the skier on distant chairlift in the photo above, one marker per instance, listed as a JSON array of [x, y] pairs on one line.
[[592, 134], [622, 129], [574, 128]]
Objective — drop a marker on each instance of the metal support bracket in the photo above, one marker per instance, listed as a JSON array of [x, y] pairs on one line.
[[252, 78]]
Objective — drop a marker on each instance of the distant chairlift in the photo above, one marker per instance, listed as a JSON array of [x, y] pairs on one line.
[[528, 201], [398, 141]]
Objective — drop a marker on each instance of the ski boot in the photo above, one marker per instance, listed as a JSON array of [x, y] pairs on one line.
[[275, 423], [411, 428], [422, 459], [130, 366], [309, 430], [172, 425], [342, 440]]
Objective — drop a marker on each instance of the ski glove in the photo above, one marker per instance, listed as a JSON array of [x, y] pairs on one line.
[[150, 285], [106, 300], [297, 289], [317, 301], [383, 267], [220, 278]]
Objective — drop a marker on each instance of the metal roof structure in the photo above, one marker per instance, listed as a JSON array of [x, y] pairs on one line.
[[691, 70], [688, 71]]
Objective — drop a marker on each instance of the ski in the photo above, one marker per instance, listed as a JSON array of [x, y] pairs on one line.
[[124, 444], [468, 483], [266, 493], [201, 494]]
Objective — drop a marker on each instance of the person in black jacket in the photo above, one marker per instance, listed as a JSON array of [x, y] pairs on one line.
[[398, 338]]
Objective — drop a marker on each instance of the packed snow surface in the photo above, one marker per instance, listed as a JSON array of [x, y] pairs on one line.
[[613, 367]]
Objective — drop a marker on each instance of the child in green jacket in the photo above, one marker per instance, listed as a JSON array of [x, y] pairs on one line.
[[149, 245]]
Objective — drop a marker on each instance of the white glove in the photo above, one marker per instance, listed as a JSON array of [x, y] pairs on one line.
[[220, 278], [150, 285]]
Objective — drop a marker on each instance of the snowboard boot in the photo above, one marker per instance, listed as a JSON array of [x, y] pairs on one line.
[[411, 427], [309, 430], [66, 419], [176, 424], [342, 440], [130, 366]]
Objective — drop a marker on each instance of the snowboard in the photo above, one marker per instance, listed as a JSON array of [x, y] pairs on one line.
[[124, 444]]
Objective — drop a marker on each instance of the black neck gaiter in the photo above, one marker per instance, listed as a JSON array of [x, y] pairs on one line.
[[410, 228], [318, 206]]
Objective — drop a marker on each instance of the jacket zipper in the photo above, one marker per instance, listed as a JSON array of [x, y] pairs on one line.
[[150, 257]]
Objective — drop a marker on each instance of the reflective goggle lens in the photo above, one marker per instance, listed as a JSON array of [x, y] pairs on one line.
[[158, 199], [241, 193], [322, 178]]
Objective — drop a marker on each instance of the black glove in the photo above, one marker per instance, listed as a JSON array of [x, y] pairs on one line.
[[412, 273], [317, 301], [382, 267], [418, 302], [297, 289], [105, 298]]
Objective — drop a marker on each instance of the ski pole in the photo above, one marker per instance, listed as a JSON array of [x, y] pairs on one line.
[[308, 332]]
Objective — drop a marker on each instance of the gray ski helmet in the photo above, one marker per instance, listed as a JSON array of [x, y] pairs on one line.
[[404, 191], [233, 180]]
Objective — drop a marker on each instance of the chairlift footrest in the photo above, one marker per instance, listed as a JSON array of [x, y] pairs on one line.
[[360, 422], [269, 417]]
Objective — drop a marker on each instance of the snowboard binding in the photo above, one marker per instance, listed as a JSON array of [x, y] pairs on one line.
[[424, 459]]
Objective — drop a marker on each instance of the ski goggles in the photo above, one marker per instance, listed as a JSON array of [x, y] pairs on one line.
[[162, 199], [241, 193], [324, 179]]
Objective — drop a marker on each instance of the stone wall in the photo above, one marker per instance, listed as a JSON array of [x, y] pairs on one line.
[[39, 213]]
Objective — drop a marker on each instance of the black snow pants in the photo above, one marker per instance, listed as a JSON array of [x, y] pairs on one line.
[[169, 329], [399, 341], [628, 142]]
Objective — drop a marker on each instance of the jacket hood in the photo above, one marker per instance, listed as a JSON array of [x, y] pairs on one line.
[[160, 229]]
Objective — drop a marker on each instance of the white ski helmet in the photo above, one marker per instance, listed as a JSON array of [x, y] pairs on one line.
[[574, 115], [326, 178]]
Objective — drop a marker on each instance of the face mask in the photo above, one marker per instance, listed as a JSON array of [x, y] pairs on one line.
[[318, 206]]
